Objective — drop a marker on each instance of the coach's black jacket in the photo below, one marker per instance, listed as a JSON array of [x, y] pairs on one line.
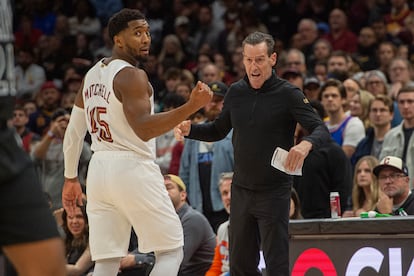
[[262, 119]]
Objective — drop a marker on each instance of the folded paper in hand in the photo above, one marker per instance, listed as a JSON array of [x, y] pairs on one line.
[[278, 161]]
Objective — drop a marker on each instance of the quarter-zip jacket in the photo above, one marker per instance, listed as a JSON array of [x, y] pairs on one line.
[[262, 119]]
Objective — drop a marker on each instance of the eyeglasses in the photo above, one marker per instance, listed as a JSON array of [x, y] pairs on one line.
[[374, 82], [392, 177]]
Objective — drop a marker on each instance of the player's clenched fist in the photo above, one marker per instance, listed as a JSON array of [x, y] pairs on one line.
[[200, 95]]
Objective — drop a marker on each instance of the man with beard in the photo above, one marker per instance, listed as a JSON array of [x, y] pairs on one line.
[[202, 163]]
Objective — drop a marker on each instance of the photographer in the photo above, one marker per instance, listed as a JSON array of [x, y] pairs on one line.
[[48, 157]]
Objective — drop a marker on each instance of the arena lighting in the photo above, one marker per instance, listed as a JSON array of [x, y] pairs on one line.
[[365, 257]]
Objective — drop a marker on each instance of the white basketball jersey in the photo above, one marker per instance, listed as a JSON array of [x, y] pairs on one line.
[[107, 124]]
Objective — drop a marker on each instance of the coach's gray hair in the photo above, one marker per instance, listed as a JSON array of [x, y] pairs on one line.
[[259, 37]]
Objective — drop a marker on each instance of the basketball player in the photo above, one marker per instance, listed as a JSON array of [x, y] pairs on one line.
[[125, 187]]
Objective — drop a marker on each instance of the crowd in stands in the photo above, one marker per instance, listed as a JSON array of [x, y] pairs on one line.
[[353, 59]]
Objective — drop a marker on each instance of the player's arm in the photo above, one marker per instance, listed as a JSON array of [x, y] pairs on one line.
[[132, 89], [72, 148]]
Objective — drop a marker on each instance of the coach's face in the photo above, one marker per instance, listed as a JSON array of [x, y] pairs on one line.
[[258, 64]]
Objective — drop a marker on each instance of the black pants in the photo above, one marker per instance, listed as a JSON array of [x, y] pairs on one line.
[[259, 220]]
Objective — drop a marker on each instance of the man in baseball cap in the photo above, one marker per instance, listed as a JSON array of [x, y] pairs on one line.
[[199, 237], [294, 76], [218, 88], [214, 107], [311, 88], [396, 197]]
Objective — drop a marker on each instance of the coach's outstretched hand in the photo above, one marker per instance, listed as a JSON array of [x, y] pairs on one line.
[[182, 129]]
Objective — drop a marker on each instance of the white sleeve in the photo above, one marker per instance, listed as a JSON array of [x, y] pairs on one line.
[[73, 141], [354, 132]]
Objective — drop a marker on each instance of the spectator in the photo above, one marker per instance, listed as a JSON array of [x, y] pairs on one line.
[[394, 21], [220, 62], [136, 263], [317, 10], [228, 37], [359, 106], [19, 122], [207, 32], [210, 73], [380, 114], [62, 30], [400, 76], [182, 31], [199, 238], [295, 59], [202, 162], [376, 83], [294, 77], [220, 265], [308, 32], [237, 67], [325, 169], [48, 157], [171, 78], [105, 50], [279, 18], [399, 141], [26, 36], [29, 107], [365, 190], [78, 255], [106, 8], [172, 54], [84, 19], [393, 178], [29, 76], [311, 88], [367, 46], [338, 65], [346, 130], [321, 51], [51, 58], [48, 99], [386, 52], [250, 20], [378, 25], [340, 37], [44, 18], [164, 143], [352, 87], [83, 57], [321, 71], [182, 89]]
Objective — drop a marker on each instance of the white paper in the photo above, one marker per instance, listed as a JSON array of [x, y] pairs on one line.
[[279, 159]]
